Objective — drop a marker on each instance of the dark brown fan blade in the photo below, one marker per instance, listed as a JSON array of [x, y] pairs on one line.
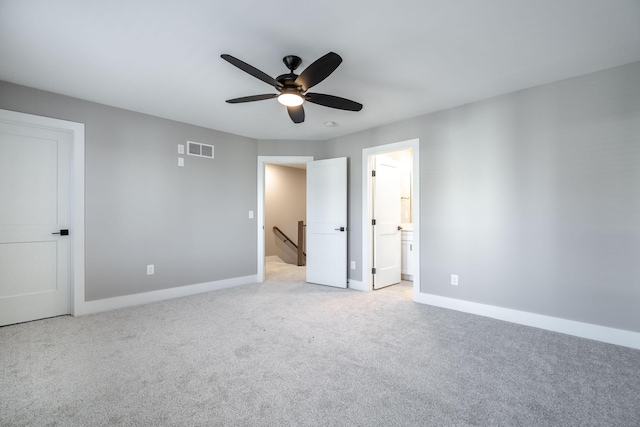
[[333, 101], [252, 98], [252, 70], [318, 71], [296, 114]]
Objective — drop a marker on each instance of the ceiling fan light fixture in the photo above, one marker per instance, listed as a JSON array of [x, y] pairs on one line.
[[290, 99], [294, 88]]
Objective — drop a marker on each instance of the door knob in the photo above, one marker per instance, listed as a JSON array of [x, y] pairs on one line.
[[399, 228], [62, 232], [339, 229]]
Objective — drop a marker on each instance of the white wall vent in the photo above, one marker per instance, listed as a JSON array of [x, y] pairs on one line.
[[200, 150]]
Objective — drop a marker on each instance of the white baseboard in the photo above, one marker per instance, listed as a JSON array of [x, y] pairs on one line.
[[357, 285], [555, 324], [88, 307]]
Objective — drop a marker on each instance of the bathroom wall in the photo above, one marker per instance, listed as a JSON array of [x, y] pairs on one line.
[[405, 162]]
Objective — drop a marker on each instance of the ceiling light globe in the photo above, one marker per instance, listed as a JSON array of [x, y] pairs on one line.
[[290, 99]]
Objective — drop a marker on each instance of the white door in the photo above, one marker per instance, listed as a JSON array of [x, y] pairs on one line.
[[327, 222], [34, 204], [387, 215]]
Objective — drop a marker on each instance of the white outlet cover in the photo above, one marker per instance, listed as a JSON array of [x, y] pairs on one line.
[[180, 148], [353, 265], [454, 279], [181, 162], [250, 214], [150, 269]]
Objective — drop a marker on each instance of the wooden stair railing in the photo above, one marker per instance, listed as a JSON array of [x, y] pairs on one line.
[[299, 248]]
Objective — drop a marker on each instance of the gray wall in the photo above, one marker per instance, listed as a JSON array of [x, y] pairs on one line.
[[532, 198], [141, 208], [285, 203], [271, 147]]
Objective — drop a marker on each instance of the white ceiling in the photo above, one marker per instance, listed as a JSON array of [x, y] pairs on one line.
[[401, 58]]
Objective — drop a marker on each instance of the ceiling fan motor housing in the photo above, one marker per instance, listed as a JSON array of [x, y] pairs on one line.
[[288, 81]]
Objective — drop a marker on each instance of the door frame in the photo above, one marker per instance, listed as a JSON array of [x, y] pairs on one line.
[[262, 161], [76, 235], [367, 167]]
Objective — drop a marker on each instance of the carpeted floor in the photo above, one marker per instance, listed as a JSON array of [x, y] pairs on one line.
[[288, 353]]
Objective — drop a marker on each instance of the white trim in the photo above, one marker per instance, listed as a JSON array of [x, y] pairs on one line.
[[161, 295], [367, 154], [76, 130], [357, 285], [555, 324], [77, 251], [262, 161]]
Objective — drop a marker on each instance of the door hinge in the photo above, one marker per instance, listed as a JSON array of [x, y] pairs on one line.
[[373, 222], [373, 173], [373, 270]]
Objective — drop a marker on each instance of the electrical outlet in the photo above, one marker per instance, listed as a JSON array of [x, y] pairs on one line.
[[150, 269], [353, 265], [181, 162], [454, 279], [250, 214]]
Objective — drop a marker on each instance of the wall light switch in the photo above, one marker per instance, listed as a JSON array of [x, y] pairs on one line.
[[250, 214], [353, 265], [180, 148], [181, 161]]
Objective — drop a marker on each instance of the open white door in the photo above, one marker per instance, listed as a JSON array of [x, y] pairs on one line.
[[327, 222], [34, 205], [387, 215]]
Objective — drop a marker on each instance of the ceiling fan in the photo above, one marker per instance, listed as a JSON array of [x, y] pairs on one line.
[[293, 87]]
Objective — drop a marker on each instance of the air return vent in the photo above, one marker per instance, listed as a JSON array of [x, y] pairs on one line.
[[200, 150]]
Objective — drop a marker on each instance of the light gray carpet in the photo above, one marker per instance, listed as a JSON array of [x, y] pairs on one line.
[[287, 353], [403, 289]]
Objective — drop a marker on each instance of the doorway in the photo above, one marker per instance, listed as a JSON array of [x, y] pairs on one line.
[[368, 158], [326, 237], [284, 210], [263, 161]]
